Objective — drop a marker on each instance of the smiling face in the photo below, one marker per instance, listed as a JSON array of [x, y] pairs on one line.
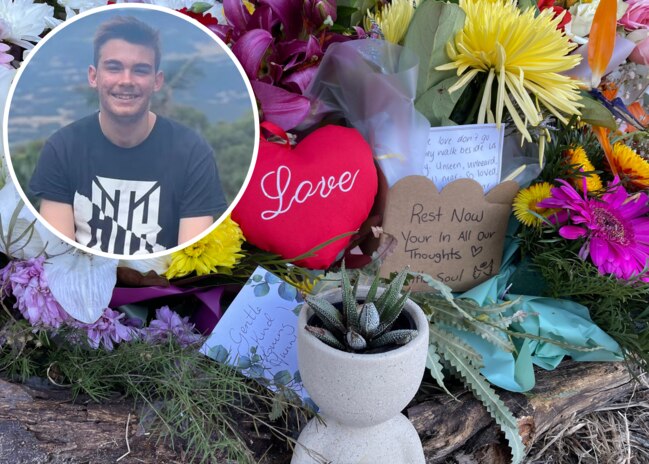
[[125, 79]]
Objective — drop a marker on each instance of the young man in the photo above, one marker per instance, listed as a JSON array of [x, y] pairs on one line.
[[125, 180]]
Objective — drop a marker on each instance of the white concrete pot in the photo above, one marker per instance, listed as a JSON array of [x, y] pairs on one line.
[[360, 397]]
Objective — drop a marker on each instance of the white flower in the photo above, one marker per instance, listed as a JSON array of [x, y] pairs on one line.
[[582, 19], [21, 240], [72, 7], [6, 77], [81, 283], [22, 21]]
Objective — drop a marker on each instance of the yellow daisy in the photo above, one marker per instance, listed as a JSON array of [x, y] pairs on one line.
[[631, 167], [580, 162], [217, 252], [524, 53], [526, 201], [393, 19]]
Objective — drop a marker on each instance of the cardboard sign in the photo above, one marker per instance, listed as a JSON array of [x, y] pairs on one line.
[[455, 236], [472, 151], [258, 332]]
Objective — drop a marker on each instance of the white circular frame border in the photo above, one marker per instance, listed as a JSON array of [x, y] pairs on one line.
[[126, 6]]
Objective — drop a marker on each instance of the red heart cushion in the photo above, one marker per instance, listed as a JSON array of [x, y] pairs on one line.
[[300, 197]]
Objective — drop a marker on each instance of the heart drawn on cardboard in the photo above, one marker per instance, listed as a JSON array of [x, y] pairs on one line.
[[456, 235], [300, 197]]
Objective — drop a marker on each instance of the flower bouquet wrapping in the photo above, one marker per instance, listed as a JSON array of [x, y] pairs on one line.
[[358, 99]]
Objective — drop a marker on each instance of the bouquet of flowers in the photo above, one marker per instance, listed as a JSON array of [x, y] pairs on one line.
[[390, 70]]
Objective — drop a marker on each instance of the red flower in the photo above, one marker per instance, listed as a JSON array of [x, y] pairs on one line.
[[567, 17], [205, 19]]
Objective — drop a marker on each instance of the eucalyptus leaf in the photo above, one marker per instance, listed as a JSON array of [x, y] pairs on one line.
[[261, 290], [437, 104], [433, 25], [596, 114], [287, 292], [82, 283], [282, 378]]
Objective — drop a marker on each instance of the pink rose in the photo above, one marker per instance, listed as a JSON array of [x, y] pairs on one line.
[[636, 15], [640, 53]]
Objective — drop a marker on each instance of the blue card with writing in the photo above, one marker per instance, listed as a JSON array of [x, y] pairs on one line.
[[258, 332]]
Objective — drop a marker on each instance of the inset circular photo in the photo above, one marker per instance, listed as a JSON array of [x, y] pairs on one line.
[[131, 131]]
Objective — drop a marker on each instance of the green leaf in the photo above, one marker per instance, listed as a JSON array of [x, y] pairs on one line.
[[437, 104], [287, 292], [490, 399], [396, 337], [524, 5], [444, 337], [282, 378], [328, 314], [261, 290], [326, 336], [200, 7], [596, 114], [434, 365], [433, 25], [277, 407]]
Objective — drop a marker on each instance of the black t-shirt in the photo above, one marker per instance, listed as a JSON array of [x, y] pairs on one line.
[[129, 200]]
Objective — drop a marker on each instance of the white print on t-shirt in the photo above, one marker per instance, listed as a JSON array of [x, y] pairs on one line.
[[304, 190], [121, 217]]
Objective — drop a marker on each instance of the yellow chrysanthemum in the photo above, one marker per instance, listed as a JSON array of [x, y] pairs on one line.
[[524, 53], [631, 167], [526, 201], [218, 251], [393, 19], [580, 162]]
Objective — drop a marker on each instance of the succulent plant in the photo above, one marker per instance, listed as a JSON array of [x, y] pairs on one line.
[[361, 326]]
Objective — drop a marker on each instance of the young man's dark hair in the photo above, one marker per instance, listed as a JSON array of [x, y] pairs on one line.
[[129, 29]]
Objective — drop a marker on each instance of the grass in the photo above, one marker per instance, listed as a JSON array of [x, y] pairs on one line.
[[190, 402]]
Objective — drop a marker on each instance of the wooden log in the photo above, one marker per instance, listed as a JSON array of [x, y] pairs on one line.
[[449, 428], [42, 425]]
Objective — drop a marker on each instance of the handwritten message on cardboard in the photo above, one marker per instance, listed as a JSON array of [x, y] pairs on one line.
[[455, 236], [472, 151], [258, 332]]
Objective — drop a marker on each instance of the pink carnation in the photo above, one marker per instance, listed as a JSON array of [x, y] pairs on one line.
[[25, 280], [615, 227]]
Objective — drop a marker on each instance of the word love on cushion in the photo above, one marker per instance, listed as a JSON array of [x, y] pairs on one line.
[[303, 196]]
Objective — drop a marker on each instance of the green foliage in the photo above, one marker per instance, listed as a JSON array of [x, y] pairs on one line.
[[621, 307], [446, 349], [489, 398], [433, 25], [596, 114], [358, 327]]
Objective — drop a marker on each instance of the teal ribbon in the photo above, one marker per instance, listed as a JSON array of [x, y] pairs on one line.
[[555, 319]]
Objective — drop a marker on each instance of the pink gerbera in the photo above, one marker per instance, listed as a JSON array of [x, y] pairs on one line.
[[615, 227]]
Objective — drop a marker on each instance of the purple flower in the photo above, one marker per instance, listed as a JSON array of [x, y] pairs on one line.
[[280, 44], [112, 327], [317, 11], [25, 280], [615, 227], [169, 324]]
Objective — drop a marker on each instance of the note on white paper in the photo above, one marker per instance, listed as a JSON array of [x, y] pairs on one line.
[[258, 332], [472, 151]]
